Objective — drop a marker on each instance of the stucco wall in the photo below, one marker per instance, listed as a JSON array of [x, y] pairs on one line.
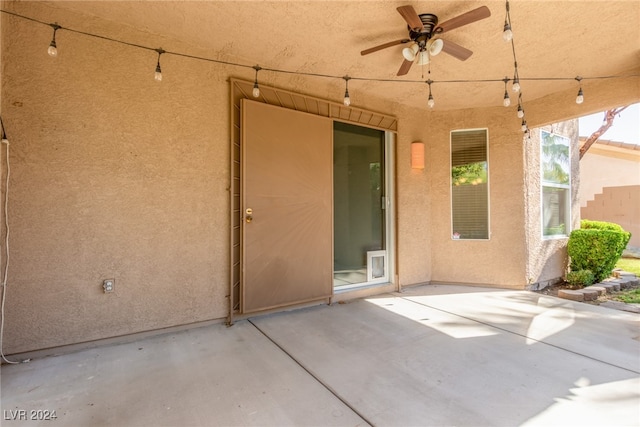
[[500, 259], [114, 175], [547, 257], [607, 166]]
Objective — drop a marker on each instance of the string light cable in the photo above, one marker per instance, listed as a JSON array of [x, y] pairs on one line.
[[517, 79], [5, 273]]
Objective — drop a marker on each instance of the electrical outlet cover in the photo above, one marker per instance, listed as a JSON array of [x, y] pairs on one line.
[[109, 285]]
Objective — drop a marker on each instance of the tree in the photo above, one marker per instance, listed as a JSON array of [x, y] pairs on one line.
[[609, 116], [555, 158]]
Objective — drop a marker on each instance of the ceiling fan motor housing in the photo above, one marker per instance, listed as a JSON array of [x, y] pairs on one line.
[[429, 22]]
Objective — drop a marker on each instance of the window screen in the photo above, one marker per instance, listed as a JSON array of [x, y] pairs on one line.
[[556, 180], [469, 184]]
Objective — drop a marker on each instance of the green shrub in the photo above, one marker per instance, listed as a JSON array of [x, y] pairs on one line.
[[600, 225], [597, 247], [611, 226], [580, 279]]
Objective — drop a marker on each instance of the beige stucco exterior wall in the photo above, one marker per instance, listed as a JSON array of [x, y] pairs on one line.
[[607, 166], [427, 252], [113, 176], [117, 176], [547, 257]]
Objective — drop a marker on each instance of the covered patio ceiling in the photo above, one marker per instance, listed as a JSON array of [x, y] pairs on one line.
[[554, 41]]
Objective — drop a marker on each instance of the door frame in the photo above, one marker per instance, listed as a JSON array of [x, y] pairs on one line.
[[240, 89], [389, 145]]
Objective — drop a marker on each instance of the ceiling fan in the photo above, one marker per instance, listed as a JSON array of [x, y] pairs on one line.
[[422, 31]]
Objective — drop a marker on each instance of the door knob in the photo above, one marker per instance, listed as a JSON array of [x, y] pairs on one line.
[[248, 215]]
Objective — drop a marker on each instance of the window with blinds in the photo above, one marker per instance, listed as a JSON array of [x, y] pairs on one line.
[[555, 164], [469, 184]]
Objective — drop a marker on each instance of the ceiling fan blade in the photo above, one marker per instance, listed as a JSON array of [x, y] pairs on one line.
[[466, 18], [455, 50], [383, 46], [409, 14], [404, 68]]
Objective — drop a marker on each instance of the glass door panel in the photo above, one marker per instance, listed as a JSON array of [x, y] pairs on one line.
[[360, 255]]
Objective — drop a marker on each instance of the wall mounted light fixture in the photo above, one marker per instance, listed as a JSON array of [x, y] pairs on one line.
[[417, 155]]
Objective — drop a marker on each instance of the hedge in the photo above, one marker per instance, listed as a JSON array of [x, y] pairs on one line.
[[601, 225], [597, 247]]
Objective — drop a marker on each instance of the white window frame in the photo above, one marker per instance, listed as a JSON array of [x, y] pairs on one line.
[[546, 184]]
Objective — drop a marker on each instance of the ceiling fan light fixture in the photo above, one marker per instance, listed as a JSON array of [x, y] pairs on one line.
[[434, 46], [409, 53], [423, 57]]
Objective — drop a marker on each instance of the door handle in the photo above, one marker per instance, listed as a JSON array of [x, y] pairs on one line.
[[248, 215]]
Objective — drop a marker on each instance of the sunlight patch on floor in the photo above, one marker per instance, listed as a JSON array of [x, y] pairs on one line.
[[593, 405], [550, 322], [451, 325]]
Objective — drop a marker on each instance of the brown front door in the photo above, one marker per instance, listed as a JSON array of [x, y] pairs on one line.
[[287, 244]]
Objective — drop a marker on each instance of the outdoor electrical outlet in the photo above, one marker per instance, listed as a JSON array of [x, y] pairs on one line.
[[109, 285]]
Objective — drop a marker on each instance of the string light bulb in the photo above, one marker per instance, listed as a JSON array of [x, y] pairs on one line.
[[516, 80], [256, 88], [506, 101], [524, 126], [347, 98], [580, 97], [53, 49], [507, 34], [520, 111], [431, 102], [158, 74]]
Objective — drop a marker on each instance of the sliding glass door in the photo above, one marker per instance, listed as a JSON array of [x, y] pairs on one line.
[[361, 205]]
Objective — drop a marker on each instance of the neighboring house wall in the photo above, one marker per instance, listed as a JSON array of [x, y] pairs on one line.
[[620, 205], [608, 164], [115, 175], [610, 185]]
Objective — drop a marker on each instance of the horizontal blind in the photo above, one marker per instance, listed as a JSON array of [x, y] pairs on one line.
[[469, 184], [468, 146]]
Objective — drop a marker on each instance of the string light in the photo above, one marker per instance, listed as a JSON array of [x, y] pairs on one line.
[[520, 111], [580, 97], [516, 79], [431, 102], [158, 73], [256, 88], [524, 126], [507, 34], [347, 98], [53, 49], [506, 101]]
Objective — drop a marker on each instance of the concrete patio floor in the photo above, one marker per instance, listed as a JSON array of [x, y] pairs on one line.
[[430, 356]]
